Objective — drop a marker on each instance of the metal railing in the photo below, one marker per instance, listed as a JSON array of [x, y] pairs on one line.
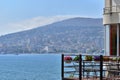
[[81, 66], [95, 67], [113, 9]]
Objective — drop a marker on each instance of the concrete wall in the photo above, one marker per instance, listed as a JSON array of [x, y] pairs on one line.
[[116, 2], [111, 12], [113, 18], [107, 3]]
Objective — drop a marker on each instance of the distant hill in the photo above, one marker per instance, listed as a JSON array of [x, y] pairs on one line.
[[71, 35]]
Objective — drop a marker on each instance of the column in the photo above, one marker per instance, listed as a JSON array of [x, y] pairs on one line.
[[117, 39]]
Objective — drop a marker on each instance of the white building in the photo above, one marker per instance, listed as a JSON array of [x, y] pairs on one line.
[[111, 20]]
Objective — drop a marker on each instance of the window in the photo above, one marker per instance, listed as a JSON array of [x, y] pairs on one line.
[[113, 39]]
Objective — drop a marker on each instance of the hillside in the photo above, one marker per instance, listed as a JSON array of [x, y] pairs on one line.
[[71, 35]]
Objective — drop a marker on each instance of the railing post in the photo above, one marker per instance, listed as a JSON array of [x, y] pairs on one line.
[[101, 67], [80, 67], [62, 66]]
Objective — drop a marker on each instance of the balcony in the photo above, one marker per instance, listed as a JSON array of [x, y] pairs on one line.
[[90, 67], [113, 9]]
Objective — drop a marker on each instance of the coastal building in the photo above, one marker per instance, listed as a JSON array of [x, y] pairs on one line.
[[111, 21]]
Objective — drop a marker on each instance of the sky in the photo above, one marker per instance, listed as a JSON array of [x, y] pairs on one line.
[[19, 15]]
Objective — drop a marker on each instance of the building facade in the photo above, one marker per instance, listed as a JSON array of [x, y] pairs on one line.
[[111, 21]]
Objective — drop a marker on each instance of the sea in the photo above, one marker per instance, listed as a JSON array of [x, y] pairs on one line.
[[30, 67]]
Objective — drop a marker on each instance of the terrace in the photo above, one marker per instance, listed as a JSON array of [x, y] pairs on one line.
[[90, 67]]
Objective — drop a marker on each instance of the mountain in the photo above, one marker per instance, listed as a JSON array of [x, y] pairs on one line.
[[71, 35]]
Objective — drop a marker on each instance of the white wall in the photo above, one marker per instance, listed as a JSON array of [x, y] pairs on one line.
[[112, 12], [107, 3], [107, 40], [116, 2]]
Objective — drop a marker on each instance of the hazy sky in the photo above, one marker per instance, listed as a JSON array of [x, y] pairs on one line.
[[18, 15]]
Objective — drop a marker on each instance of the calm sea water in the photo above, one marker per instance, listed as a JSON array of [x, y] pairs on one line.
[[30, 67]]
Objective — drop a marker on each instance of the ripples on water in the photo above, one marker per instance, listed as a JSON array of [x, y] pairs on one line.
[[30, 67]]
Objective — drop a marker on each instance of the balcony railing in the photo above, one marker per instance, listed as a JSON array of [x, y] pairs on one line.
[[90, 67], [113, 9]]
